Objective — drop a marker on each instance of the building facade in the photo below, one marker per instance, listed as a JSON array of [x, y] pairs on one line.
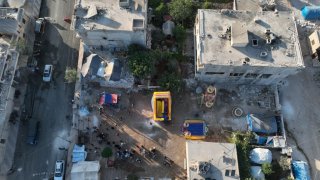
[[8, 64], [243, 47]]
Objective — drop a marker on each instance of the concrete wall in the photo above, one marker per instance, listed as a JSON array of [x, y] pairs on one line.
[[113, 39], [245, 74]]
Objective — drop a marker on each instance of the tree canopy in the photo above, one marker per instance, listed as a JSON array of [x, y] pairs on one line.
[[180, 34], [70, 75], [141, 64], [180, 10], [107, 152]]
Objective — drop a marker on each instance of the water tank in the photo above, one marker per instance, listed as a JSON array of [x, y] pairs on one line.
[[311, 12]]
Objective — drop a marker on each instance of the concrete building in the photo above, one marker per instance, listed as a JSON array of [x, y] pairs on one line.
[[8, 111], [111, 25], [31, 7], [244, 47], [315, 45], [208, 160], [13, 21]]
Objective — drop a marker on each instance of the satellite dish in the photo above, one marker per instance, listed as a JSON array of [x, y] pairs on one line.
[[16, 3]]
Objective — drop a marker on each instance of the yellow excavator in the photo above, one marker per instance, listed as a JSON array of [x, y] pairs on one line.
[[161, 105]]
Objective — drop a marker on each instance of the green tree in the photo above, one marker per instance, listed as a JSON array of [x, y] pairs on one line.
[[70, 75], [154, 3], [107, 152], [242, 141], [180, 10], [171, 81], [141, 64], [207, 5], [133, 48], [267, 168], [180, 34], [161, 10]]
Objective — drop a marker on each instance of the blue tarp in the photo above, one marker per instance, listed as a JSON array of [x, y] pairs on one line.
[[311, 12], [196, 129], [262, 124], [300, 170], [78, 153]]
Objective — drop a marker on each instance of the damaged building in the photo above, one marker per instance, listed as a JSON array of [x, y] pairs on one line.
[[111, 25], [13, 21], [8, 108], [244, 47]]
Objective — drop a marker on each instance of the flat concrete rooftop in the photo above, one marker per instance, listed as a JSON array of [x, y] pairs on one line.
[[109, 15], [248, 31], [7, 12], [222, 159]]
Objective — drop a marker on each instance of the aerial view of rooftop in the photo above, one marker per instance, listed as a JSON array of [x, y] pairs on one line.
[[159, 89]]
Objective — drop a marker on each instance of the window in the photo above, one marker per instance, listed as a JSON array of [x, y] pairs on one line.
[[313, 42], [23, 21], [265, 76], [254, 42], [233, 172], [24, 35], [211, 73], [251, 75], [236, 74], [227, 173], [104, 38]]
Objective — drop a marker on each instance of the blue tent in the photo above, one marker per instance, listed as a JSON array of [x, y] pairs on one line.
[[300, 170], [311, 12], [78, 153], [266, 125]]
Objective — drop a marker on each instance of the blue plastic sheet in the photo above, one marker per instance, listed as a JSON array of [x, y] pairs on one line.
[[311, 12], [300, 170]]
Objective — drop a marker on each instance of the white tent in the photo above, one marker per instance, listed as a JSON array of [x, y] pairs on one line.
[[261, 155], [168, 27], [85, 170], [257, 173]]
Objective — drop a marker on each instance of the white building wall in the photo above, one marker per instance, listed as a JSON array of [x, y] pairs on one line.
[[116, 39], [245, 74]]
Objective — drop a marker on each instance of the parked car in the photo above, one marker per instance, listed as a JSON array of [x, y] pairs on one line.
[[40, 24], [59, 170], [47, 74], [33, 133]]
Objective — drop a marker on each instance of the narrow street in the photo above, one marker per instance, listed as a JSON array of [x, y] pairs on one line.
[[49, 103]]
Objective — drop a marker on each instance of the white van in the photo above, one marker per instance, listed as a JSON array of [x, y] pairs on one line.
[[40, 24], [47, 73], [59, 170]]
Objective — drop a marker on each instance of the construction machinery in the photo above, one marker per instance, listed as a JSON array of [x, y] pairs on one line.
[[161, 105]]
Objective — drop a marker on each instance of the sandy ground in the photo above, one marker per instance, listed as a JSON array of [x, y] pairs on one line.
[[132, 126]]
